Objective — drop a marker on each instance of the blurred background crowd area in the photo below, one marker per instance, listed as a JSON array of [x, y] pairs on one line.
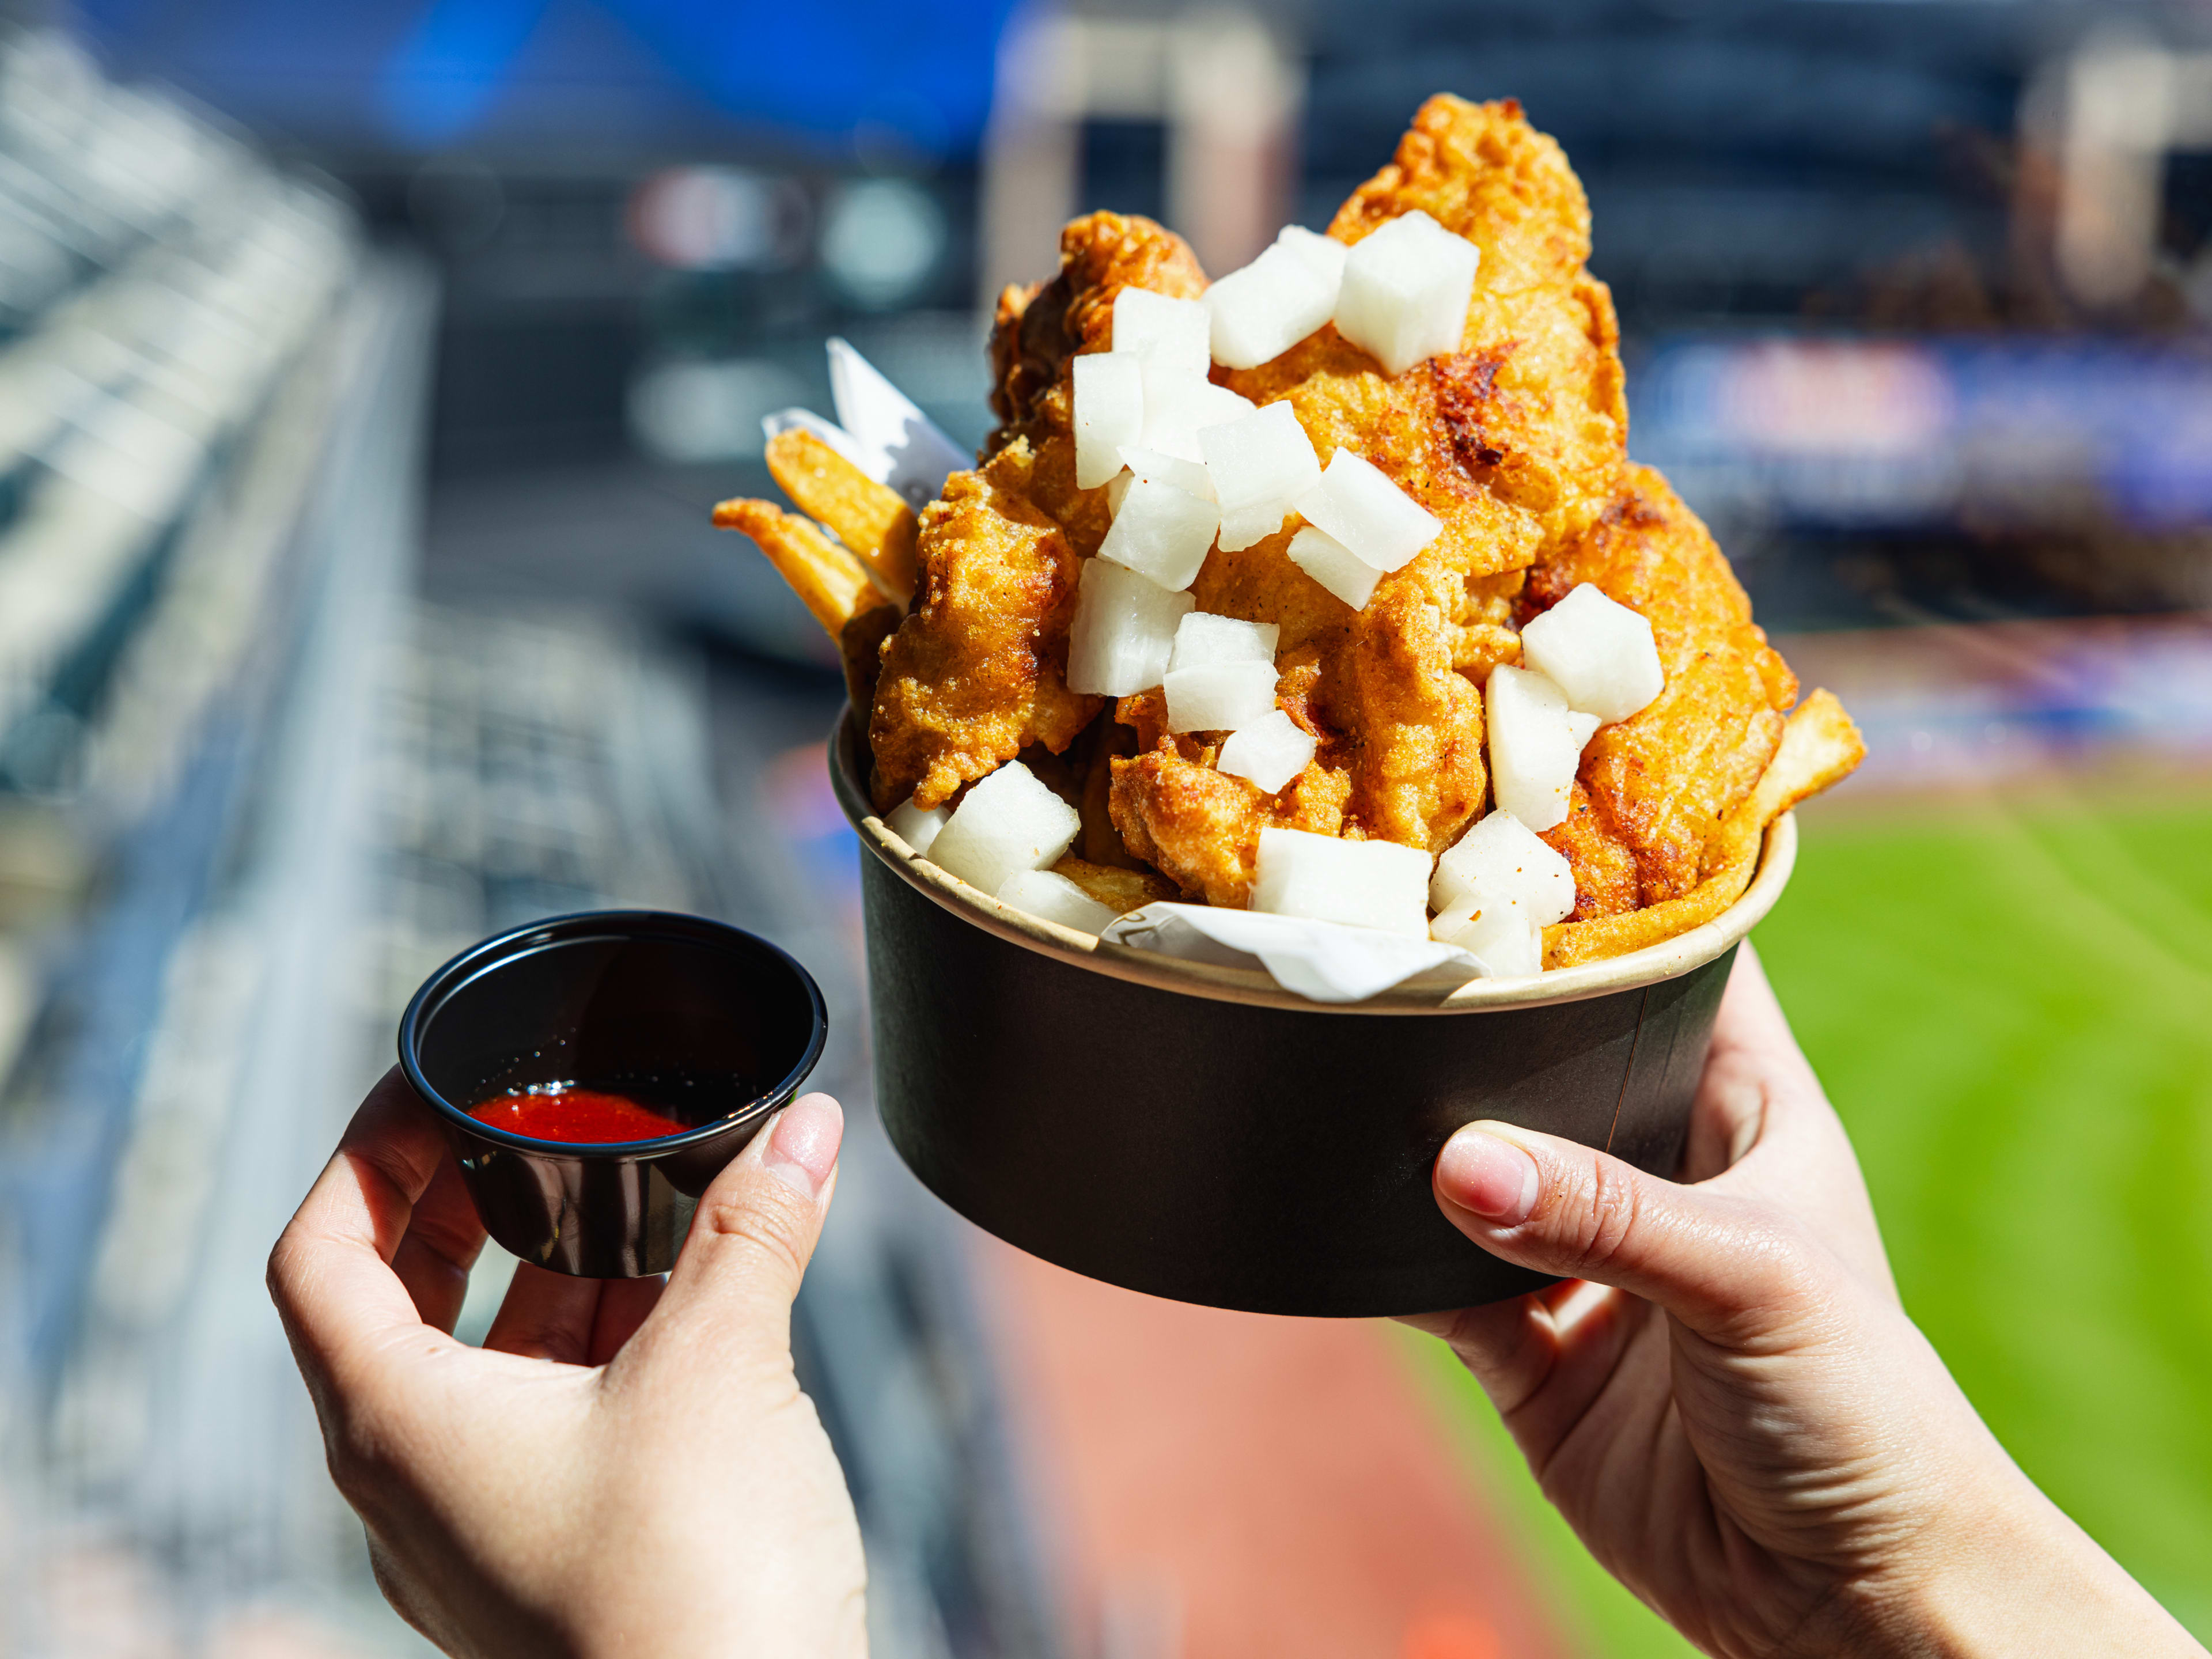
[[367, 374]]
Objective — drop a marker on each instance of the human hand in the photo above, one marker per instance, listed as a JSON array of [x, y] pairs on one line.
[[1734, 1412], [622, 1467]]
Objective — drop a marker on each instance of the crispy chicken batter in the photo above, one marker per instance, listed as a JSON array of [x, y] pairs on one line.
[[1653, 787], [1039, 328], [1535, 406], [1516, 443], [978, 671]]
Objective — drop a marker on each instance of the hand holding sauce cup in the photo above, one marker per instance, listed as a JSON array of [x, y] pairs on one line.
[[594, 1073]]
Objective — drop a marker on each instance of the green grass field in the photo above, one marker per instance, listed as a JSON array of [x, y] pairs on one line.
[[2012, 1006]]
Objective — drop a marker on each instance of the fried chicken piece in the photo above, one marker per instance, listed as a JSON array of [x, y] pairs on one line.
[[978, 671], [1515, 444], [1197, 827], [1118, 890], [1653, 787], [1819, 749], [1399, 729], [1606, 879], [1039, 328], [1507, 443], [1201, 828], [1536, 400], [1531, 413]]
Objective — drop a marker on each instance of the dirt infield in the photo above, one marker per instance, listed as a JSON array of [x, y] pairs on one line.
[[1231, 1484]]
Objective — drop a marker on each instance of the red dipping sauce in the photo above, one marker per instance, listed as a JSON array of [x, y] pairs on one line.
[[579, 1117]]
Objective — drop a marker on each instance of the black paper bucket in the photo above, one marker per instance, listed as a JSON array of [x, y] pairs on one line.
[[1198, 1133]]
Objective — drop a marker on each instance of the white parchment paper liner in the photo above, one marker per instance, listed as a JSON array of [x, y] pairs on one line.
[[1321, 961]]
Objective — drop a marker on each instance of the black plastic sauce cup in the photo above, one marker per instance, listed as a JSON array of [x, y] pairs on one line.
[[705, 1023]]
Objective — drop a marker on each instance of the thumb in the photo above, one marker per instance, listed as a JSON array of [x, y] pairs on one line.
[[1710, 1259], [751, 1237]]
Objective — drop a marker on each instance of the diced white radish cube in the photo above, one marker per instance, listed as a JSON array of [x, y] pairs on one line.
[[1179, 401], [916, 828], [1258, 464], [1109, 412], [1178, 407], [1202, 638], [1452, 918], [1362, 883], [1501, 861], [1006, 822], [1406, 291], [1535, 745], [1322, 255], [1162, 533], [1169, 386], [1262, 311], [1243, 526], [1334, 566], [1053, 897], [1510, 945], [1171, 331], [1270, 751], [1357, 503], [1150, 466], [1189, 476], [1180, 410], [1220, 696], [1581, 728], [1597, 651], [1123, 632]]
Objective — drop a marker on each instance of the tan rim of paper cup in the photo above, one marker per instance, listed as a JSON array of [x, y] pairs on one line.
[[1655, 963]]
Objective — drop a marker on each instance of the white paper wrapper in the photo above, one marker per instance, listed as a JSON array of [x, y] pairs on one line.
[[1321, 961], [874, 464], [878, 429]]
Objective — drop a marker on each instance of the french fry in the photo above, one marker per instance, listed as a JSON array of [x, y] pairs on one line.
[[860, 648], [829, 580], [1820, 747], [868, 517]]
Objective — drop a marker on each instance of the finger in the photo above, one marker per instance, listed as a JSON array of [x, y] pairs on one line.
[[1758, 1086], [1593, 1329], [546, 1316], [1762, 1128], [1716, 1263], [443, 1239], [1728, 1118], [330, 1274], [729, 1298], [1510, 1347], [1544, 1358], [624, 1304]]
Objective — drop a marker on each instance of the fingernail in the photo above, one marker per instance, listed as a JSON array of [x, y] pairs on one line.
[[802, 1148], [1494, 1178]]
